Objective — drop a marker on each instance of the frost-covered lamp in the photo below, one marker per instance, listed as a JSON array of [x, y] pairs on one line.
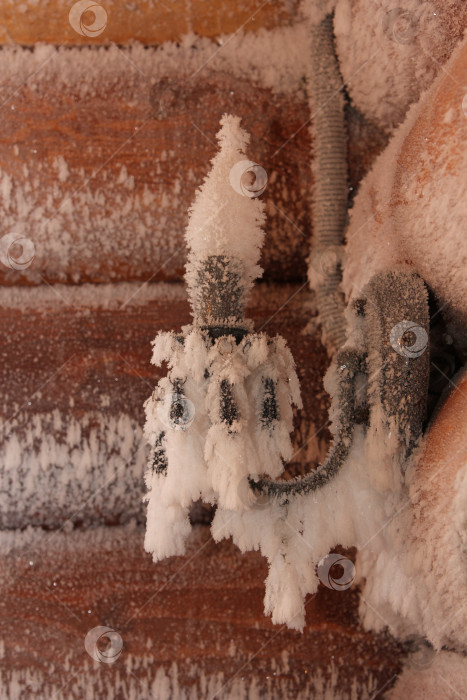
[[219, 423], [224, 411]]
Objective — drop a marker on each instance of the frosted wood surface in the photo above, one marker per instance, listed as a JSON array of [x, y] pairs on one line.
[[75, 374], [147, 21], [389, 55], [110, 180], [101, 153], [194, 617], [413, 200]]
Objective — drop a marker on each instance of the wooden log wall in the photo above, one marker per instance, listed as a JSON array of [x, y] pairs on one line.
[[101, 152], [72, 446], [191, 627], [149, 22], [100, 176]]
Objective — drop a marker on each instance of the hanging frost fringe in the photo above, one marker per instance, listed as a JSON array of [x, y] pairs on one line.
[[207, 435]]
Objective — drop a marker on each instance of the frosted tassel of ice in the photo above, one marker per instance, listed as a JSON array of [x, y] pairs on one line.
[[274, 398], [284, 599], [167, 527], [279, 534], [291, 576], [250, 429]]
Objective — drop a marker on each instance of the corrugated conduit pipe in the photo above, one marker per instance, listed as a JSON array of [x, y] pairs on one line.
[[329, 192]]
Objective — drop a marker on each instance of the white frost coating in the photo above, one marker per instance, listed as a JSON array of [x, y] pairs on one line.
[[222, 221], [139, 677], [372, 244], [208, 458], [387, 60], [41, 454], [413, 569], [416, 215], [367, 504], [445, 677], [78, 232], [148, 674], [417, 582], [89, 296], [224, 412], [349, 511], [274, 58], [55, 468], [73, 229], [61, 166]]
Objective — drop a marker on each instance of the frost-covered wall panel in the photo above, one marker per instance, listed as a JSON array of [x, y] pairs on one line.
[[192, 629], [75, 373], [99, 173], [148, 21]]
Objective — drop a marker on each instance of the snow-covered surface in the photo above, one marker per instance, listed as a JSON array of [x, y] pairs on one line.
[[225, 220], [445, 677], [57, 468], [389, 54], [411, 207]]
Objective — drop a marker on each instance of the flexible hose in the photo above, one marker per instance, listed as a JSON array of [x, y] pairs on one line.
[[329, 193], [348, 365], [329, 215]]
